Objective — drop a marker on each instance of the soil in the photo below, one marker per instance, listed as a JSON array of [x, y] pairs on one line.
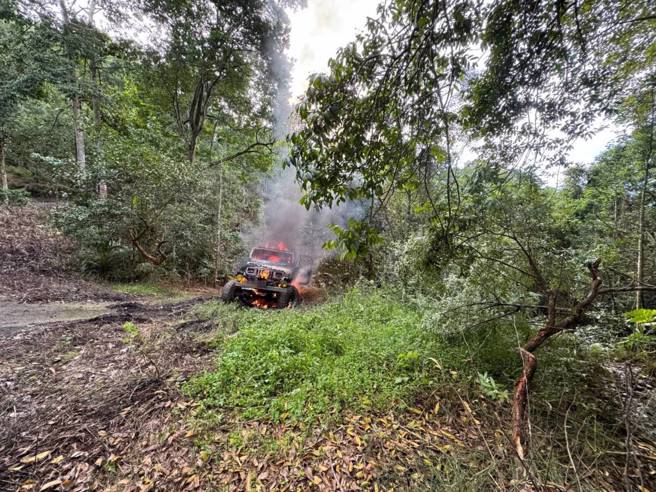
[[15, 315], [76, 390], [35, 260], [76, 397]]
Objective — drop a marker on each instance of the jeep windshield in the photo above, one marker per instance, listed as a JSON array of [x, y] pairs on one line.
[[272, 256]]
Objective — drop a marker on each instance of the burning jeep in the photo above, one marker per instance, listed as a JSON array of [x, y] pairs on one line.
[[269, 279]]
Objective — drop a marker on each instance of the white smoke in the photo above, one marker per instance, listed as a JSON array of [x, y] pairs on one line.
[[283, 218]]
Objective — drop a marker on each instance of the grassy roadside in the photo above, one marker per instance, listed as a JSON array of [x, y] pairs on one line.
[[160, 291], [354, 392], [365, 353]]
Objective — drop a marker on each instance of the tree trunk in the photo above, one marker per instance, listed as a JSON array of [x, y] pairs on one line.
[[529, 361], [80, 154], [219, 225], [95, 102], [3, 171], [640, 264]]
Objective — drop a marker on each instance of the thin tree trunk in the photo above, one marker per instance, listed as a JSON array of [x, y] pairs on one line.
[[640, 264], [616, 226], [64, 11], [3, 171], [95, 102], [80, 154], [219, 222]]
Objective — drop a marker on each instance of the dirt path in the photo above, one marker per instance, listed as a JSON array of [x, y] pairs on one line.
[[78, 396], [15, 315]]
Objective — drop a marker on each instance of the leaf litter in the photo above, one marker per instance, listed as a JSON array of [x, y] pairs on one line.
[[83, 406]]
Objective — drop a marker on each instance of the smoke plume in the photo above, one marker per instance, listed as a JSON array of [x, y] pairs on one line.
[[283, 218]]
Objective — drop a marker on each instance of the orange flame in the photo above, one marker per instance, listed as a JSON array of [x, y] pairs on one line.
[[263, 303], [281, 246]]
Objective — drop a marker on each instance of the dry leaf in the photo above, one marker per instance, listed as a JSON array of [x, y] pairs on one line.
[[35, 458], [49, 485], [57, 460]]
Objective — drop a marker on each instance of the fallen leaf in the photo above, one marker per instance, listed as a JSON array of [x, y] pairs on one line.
[[34, 458], [49, 485]]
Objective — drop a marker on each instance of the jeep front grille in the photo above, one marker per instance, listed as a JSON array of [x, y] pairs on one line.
[[257, 272]]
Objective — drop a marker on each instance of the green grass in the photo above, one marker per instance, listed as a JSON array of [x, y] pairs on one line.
[[366, 352], [360, 351], [148, 289]]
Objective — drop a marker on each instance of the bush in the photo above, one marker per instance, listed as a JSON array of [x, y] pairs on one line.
[[18, 197], [363, 351]]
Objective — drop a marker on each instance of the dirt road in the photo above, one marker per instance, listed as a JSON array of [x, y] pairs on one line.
[[15, 315]]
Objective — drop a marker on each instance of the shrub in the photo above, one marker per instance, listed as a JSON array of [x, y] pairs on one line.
[[18, 197], [362, 351]]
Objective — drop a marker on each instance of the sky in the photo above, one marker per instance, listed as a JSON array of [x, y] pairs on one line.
[[319, 30]]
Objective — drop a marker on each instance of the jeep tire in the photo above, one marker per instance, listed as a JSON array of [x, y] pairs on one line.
[[289, 295], [229, 291]]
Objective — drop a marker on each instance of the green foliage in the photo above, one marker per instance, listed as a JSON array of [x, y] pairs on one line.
[[132, 330], [361, 352], [641, 316], [16, 196], [163, 162], [355, 240], [639, 341], [491, 389]]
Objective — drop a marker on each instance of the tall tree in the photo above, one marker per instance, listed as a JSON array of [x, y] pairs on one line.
[[72, 44], [27, 62], [219, 55], [645, 115]]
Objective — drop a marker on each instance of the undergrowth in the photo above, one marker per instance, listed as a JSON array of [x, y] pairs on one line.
[[367, 353], [361, 352]]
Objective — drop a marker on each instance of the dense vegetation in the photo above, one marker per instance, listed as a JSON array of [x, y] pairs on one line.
[[142, 142], [364, 352], [367, 354], [442, 121]]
